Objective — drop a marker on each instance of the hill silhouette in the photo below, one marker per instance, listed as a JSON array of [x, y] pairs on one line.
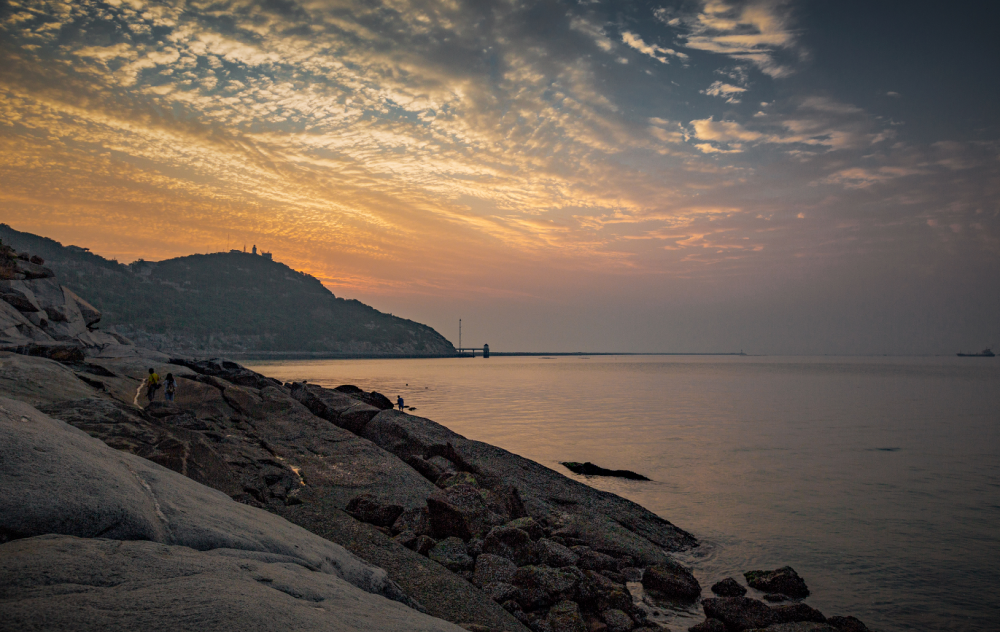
[[227, 302]]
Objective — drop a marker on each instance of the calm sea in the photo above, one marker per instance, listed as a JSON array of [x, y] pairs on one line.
[[877, 479]]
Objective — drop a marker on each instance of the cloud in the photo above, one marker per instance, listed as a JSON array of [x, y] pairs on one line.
[[759, 32], [593, 31], [658, 53], [723, 131], [726, 91]]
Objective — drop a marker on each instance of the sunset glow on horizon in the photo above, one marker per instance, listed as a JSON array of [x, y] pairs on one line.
[[784, 177]]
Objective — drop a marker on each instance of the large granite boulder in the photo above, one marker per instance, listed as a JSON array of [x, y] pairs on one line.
[[59, 582], [55, 479]]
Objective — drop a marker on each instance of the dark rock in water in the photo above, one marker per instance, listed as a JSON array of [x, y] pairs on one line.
[[542, 586], [739, 613], [709, 625], [452, 554], [370, 509], [565, 617], [847, 624], [728, 587], [513, 544], [589, 469], [350, 389], [672, 582], [783, 580], [457, 511], [491, 569]]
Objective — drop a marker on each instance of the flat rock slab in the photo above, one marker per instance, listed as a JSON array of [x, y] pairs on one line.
[[57, 582], [39, 380]]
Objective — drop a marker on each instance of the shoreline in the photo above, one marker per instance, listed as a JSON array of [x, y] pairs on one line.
[[474, 534]]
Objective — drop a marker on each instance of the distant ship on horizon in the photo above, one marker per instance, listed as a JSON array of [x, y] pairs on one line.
[[985, 353]]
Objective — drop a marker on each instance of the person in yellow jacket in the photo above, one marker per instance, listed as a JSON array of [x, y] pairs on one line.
[[152, 384]]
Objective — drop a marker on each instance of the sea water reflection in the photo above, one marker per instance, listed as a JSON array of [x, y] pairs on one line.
[[878, 479]]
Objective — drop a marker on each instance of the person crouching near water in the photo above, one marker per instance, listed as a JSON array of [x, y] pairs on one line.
[[399, 402], [170, 387], [152, 384]]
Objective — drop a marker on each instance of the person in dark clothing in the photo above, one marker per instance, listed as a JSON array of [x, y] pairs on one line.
[[399, 402], [170, 386]]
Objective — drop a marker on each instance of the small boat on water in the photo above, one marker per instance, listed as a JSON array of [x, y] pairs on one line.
[[985, 353]]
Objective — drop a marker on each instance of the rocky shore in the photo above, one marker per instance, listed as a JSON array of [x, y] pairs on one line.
[[249, 503]]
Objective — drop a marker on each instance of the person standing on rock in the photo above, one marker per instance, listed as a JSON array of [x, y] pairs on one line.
[[152, 383], [399, 402], [170, 387]]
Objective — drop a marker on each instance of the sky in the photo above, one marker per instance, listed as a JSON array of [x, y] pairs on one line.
[[782, 177]]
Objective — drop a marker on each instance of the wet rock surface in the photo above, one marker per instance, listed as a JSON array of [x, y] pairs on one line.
[[784, 581], [671, 582], [728, 587]]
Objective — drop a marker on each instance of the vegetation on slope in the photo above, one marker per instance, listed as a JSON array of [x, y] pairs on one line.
[[227, 301]]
